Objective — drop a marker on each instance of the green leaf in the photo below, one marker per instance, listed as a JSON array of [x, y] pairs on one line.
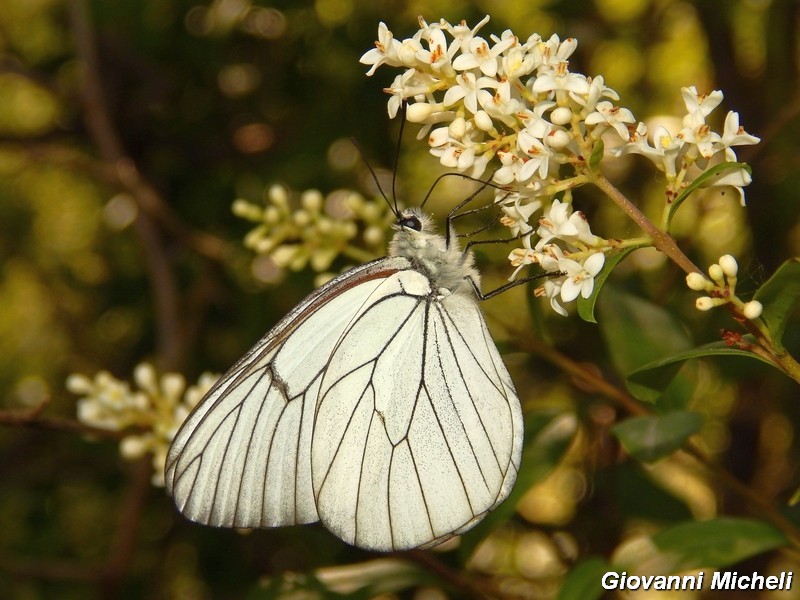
[[653, 437], [597, 154], [638, 332], [709, 174], [780, 296], [548, 434], [649, 381], [716, 543], [584, 581], [586, 305], [651, 502]]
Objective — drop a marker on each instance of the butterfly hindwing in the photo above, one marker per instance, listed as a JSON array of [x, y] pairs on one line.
[[418, 431]]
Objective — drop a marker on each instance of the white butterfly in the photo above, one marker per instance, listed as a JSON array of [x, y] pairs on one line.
[[379, 406]]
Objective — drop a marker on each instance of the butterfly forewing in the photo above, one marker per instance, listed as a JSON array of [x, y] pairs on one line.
[[242, 458]]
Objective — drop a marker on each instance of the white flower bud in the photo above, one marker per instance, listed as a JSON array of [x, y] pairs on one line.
[[753, 309], [716, 273], [697, 282], [145, 377], [173, 385], [133, 447], [458, 128], [704, 303], [272, 215], [246, 210], [420, 112], [79, 384], [283, 255], [561, 115], [483, 121], [373, 235], [301, 218], [729, 265], [312, 201], [557, 139], [278, 195]]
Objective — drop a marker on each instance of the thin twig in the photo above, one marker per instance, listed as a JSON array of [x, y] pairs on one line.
[[125, 537], [145, 196], [108, 142], [467, 587], [33, 419]]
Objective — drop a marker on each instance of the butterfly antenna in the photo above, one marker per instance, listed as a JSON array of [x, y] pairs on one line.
[[403, 107], [374, 176]]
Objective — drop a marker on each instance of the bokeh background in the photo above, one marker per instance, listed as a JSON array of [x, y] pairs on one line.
[[127, 130]]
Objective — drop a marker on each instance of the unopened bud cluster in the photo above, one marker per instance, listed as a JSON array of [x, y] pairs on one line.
[[155, 410], [721, 287], [312, 229]]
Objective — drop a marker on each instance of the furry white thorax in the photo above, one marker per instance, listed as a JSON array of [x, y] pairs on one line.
[[447, 268]]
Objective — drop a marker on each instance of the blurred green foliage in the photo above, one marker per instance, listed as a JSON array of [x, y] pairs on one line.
[[212, 100]]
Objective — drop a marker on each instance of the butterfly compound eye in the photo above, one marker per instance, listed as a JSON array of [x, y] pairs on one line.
[[410, 222]]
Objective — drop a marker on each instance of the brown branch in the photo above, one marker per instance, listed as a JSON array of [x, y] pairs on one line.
[[125, 537], [146, 197], [467, 587], [33, 419], [109, 144]]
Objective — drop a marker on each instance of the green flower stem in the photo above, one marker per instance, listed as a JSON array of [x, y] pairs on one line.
[[358, 254]]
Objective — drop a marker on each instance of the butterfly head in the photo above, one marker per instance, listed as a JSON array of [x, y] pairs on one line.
[[446, 265], [412, 220]]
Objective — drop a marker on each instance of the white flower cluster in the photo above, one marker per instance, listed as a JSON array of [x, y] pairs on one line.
[[683, 157], [721, 287], [157, 408], [517, 101]]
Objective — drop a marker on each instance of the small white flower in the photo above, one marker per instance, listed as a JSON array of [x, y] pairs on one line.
[[552, 290], [436, 55], [481, 56], [613, 116], [703, 103], [696, 131], [385, 51], [521, 258], [734, 134], [462, 34], [561, 80], [580, 277], [511, 169], [466, 89], [597, 91], [516, 214], [517, 63], [501, 105], [561, 223], [539, 156]]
